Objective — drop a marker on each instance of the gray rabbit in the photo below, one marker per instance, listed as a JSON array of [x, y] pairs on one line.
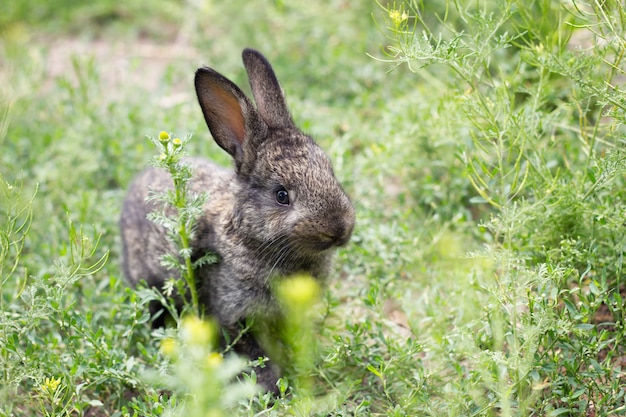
[[281, 211]]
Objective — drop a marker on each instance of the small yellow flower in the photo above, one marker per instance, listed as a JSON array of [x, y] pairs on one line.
[[169, 347], [299, 292], [214, 359], [198, 332], [177, 142], [164, 136], [398, 17], [50, 385]]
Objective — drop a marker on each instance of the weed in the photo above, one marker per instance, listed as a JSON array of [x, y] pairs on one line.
[[180, 227]]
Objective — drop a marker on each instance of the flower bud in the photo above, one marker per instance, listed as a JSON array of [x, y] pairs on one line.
[[164, 136]]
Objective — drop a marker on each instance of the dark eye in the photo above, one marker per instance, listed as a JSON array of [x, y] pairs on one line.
[[282, 197]]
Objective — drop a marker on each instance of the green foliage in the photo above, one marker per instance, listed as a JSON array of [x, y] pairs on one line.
[[205, 381], [91, 18], [50, 313], [483, 146], [544, 126]]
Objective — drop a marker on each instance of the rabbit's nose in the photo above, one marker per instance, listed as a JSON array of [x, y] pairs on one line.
[[346, 233], [342, 229]]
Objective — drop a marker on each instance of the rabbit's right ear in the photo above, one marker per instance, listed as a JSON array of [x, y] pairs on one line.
[[266, 90], [229, 114]]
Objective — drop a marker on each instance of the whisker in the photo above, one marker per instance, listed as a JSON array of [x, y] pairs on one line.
[[268, 246], [284, 251]]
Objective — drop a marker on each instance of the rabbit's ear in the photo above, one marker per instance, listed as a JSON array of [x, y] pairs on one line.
[[266, 90], [229, 114]]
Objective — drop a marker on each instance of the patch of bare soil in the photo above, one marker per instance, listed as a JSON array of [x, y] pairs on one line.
[[137, 62]]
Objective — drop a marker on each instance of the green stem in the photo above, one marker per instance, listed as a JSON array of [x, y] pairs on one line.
[[181, 201], [189, 275], [243, 331]]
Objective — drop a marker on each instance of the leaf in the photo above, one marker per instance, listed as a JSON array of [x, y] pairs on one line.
[[593, 287], [207, 259], [559, 411], [374, 371], [477, 200]]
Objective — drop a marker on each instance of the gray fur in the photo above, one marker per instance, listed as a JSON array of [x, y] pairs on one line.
[[257, 239]]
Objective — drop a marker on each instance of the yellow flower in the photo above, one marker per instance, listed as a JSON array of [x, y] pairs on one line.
[[299, 292], [164, 136], [198, 332], [169, 347], [397, 17], [214, 359], [50, 385], [177, 142]]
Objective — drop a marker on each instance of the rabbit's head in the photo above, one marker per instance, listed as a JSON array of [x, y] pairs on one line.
[[288, 201]]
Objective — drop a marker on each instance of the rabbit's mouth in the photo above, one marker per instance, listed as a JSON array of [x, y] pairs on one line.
[[332, 238], [325, 242], [320, 245]]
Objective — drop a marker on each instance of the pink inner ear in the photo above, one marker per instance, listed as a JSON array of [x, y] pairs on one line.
[[229, 113]]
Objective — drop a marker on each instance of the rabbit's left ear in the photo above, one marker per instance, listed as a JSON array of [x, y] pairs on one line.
[[266, 90], [230, 116]]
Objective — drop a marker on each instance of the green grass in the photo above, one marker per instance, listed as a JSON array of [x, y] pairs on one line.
[[483, 145]]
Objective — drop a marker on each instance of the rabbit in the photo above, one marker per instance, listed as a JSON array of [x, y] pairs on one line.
[[280, 211]]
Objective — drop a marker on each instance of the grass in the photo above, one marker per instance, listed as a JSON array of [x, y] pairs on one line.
[[482, 143]]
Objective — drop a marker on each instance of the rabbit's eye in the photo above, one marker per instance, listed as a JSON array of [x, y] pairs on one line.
[[282, 197]]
